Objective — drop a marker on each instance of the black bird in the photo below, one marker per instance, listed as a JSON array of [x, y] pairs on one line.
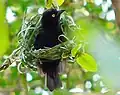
[[48, 37]]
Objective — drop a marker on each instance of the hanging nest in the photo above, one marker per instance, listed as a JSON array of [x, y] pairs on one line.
[[25, 53]]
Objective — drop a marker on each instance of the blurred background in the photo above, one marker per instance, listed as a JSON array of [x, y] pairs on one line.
[[98, 28]]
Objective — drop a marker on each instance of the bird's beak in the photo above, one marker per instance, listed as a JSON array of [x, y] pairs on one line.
[[60, 12]]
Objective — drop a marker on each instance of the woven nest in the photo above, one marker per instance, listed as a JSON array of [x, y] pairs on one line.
[[27, 56], [28, 32]]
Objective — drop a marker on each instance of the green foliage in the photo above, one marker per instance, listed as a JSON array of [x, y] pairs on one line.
[[62, 92], [75, 50], [4, 37], [50, 3], [87, 62], [59, 2], [92, 8]]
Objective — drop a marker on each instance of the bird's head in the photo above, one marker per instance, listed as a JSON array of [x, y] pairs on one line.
[[51, 16]]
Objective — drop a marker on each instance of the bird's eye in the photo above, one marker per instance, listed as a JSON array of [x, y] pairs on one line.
[[53, 15]]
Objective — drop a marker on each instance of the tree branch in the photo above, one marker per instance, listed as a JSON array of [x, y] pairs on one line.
[[116, 7]]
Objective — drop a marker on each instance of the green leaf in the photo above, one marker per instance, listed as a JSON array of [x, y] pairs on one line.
[[4, 35], [87, 62], [61, 92], [3, 82], [60, 2], [55, 2], [49, 3], [75, 50]]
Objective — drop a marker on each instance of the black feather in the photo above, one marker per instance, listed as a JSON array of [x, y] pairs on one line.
[[49, 38]]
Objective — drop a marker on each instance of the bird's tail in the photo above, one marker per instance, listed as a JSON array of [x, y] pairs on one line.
[[53, 81], [52, 69]]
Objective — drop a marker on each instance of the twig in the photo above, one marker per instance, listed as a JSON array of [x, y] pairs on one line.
[[116, 7], [12, 58]]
